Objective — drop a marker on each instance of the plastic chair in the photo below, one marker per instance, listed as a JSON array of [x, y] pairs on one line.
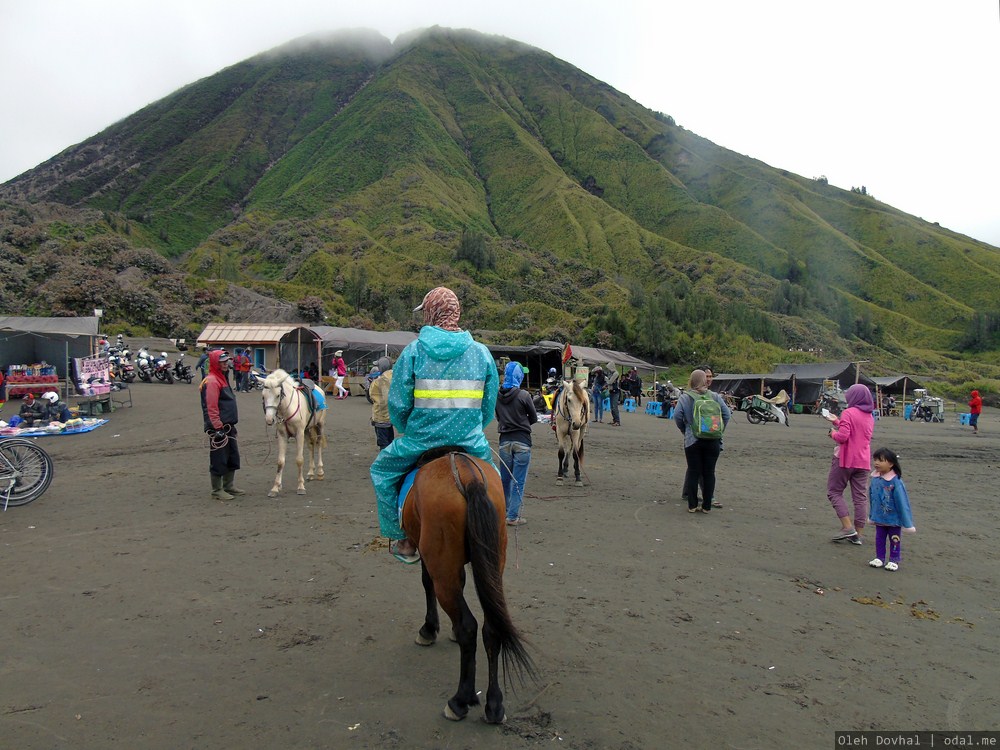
[[629, 404]]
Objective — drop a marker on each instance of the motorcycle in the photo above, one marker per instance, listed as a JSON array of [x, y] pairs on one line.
[[760, 410], [161, 370], [833, 401], [256, 378], [121, 369], [144, 366], [183, 371], [927, 408]]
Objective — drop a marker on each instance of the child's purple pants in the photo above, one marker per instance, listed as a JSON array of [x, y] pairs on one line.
[[895, 548]]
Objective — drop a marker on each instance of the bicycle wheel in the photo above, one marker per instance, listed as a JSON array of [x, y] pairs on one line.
[[26, 471]]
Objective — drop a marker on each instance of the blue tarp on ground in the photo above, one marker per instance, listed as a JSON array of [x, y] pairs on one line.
[[87, 426]]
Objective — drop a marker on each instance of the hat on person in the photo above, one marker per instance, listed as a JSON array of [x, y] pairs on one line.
[[338, 353], [223, 356], [51, 396]]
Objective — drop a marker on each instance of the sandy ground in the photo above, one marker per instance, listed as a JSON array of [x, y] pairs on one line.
[[138, 612]]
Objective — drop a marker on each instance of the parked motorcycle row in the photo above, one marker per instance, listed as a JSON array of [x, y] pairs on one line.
[[147, 367]]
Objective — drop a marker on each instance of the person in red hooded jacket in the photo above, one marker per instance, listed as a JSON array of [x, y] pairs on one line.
[[975, 408], [218, 406]]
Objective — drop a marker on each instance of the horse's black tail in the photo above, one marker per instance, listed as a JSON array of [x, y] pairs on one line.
[[483, 540]]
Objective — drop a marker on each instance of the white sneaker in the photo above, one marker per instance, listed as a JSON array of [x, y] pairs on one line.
[[876, 563], [892, 566]]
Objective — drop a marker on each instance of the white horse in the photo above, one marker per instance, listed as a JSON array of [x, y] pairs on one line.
[[572, 416], [287, 405]]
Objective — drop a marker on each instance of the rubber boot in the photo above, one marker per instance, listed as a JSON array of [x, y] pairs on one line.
[[217, 492], [228, 486]]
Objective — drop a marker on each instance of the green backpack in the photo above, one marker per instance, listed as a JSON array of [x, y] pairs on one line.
[[707, 423]]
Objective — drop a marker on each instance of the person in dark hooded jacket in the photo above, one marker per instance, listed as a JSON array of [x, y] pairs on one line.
[[515, 412], [218, 406]]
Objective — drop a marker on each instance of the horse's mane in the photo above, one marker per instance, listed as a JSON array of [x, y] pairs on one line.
[[576, 390], [275, 378]]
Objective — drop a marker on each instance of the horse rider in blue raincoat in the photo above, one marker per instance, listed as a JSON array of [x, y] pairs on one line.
[[444, 391]]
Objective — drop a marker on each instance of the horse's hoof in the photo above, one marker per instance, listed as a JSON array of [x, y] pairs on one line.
[[451, 715], [303, 491], [502, 720], [272, 493], [421, 641], [559, 480], [578, 483], [320, 477]]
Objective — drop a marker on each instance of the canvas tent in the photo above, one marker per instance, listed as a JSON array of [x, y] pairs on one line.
[[809, 378], [360, 346], [741, 385], [52, 340], [897, 384], [590, 356]]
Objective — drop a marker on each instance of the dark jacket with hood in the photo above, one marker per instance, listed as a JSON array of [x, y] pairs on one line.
[[515, 410], [218, 402]]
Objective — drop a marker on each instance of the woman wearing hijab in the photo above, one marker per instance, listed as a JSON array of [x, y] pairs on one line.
[[702, 454], [515, 413], [443, 392], [852, 461]]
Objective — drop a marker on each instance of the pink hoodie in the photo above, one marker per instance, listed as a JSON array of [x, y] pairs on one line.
[[853, 430]]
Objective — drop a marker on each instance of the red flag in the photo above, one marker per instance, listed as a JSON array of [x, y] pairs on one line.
[[567, 353]]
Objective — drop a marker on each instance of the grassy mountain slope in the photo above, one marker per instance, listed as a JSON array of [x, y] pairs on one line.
[[357, 174]]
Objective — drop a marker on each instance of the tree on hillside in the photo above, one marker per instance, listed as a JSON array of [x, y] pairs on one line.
[[311, 309], [473, 248]]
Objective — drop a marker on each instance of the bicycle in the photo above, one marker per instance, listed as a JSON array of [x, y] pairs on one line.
[[26, 471]]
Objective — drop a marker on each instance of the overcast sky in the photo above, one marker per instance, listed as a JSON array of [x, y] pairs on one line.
[[900, 96]]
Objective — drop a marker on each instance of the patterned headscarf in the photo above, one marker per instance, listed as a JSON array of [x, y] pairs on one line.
[[441, 308]]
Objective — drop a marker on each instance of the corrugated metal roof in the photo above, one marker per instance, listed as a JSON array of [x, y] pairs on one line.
[[62, 326], [244, 333]]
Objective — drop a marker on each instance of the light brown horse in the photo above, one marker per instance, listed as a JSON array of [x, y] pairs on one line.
[[455, 514], [572, 417]]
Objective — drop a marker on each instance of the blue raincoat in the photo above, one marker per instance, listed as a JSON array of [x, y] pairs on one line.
[[443, 392]]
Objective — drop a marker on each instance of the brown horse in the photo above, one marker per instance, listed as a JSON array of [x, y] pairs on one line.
[[455, 514], [571, 415]]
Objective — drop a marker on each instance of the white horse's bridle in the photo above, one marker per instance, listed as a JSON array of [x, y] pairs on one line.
[[281, 395]]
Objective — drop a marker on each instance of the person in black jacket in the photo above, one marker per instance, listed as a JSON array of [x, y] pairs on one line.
[[218, 407], [515, 414]]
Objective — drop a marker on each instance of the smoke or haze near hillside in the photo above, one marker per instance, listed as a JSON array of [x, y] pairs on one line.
[[894, 96]]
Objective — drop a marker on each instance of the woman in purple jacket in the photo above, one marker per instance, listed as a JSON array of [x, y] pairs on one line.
[[852, 432]]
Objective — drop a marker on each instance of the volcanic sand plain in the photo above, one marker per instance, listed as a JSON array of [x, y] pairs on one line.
[[138, 612]]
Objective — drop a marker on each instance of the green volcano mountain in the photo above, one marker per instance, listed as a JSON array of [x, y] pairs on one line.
[[344, 175]]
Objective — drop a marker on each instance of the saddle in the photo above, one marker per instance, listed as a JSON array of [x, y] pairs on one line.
[[779, 400], [316, 396]]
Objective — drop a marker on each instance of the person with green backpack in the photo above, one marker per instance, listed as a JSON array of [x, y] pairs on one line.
[[701, 415]]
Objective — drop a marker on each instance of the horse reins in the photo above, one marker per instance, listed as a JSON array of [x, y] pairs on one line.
[[454, 470]]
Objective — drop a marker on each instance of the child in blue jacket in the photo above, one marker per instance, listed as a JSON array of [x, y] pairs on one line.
[[889, 508]]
